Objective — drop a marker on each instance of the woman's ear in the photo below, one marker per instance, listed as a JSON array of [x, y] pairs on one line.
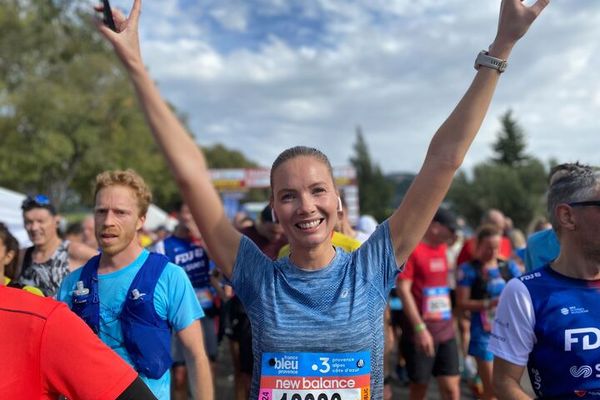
[[8, 257]]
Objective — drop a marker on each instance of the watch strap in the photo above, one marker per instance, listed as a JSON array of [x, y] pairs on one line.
[[485, 60]]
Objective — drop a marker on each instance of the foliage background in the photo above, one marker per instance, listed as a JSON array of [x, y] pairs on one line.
[[67, 112]]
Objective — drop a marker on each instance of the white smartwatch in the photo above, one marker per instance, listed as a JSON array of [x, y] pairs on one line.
[[485, 60]]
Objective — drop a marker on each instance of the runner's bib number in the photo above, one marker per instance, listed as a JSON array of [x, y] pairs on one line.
[[436, 304], [315, 376], [205, 298]]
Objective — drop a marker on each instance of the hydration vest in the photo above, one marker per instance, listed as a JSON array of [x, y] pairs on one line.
[[479, 289], [146, 336]]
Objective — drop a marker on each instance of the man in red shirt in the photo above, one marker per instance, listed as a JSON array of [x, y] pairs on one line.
[[48, 351], [428, 342], [491, 217]]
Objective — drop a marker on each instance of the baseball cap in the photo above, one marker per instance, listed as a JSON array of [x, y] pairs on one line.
[[446, 218]]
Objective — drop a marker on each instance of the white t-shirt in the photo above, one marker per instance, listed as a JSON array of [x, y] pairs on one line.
[[512, 336]]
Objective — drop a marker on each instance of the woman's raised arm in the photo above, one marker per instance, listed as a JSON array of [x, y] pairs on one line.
[[183, 155], [452, 140]]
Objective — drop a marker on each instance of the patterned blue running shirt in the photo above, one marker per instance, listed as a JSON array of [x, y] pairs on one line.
[[317, 334]]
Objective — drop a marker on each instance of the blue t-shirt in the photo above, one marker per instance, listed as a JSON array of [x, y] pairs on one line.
[[174, 300], [317, 329], [481, 322], [542, 248]]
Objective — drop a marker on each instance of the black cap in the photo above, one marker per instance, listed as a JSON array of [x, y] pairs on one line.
[[446, 218]]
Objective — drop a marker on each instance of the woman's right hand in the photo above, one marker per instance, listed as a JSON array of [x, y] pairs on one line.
[[125, 40], [515, 19]]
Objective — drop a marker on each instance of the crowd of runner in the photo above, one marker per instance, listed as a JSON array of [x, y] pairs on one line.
[[310, 306]]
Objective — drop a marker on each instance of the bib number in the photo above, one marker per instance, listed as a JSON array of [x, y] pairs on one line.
[[205, 298], [436, 304], [315, 376], [310, 396], [487, 319]]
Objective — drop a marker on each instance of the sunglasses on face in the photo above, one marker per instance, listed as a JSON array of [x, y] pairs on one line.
[[39, 200]]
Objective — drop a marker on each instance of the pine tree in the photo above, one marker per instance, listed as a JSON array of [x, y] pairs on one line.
[[510, 146], [374, 190]]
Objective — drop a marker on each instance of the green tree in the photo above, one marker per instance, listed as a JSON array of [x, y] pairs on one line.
[[218, 156], [374, 190], [67, 110], [510, 145], [512, 181]]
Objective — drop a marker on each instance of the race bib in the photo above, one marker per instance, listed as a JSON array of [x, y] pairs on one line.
[[487, 318], [315, 376], [205, 298], [436, 304]]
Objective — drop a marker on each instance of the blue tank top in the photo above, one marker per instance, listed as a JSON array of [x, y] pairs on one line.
[[565, 360]]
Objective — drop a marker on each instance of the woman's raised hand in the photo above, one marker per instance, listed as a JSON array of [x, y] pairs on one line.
[[126, 39]]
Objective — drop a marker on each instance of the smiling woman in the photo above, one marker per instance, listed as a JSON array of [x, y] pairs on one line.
[[317, 315]]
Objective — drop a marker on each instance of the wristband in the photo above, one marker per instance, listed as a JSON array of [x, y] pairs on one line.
[[420, 327], [486, 304]]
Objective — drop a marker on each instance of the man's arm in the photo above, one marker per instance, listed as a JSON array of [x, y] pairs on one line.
[[512, 338], [196, 360], [422, 337], [506, 380]]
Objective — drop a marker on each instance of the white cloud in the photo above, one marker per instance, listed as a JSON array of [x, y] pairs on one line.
[[232, 15], [397, 68]]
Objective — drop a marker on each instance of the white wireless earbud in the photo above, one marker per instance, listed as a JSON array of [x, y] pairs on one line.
[[340, 208], [273, 217]]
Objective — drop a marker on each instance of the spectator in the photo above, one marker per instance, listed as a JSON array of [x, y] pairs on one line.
[[9, 253], [479, 285], [50, 259], [428, 340]]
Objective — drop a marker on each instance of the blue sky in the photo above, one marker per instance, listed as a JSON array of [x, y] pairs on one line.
[[263, 75]]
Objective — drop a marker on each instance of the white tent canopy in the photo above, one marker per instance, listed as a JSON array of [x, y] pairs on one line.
[[158, 217], [10, 214]]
